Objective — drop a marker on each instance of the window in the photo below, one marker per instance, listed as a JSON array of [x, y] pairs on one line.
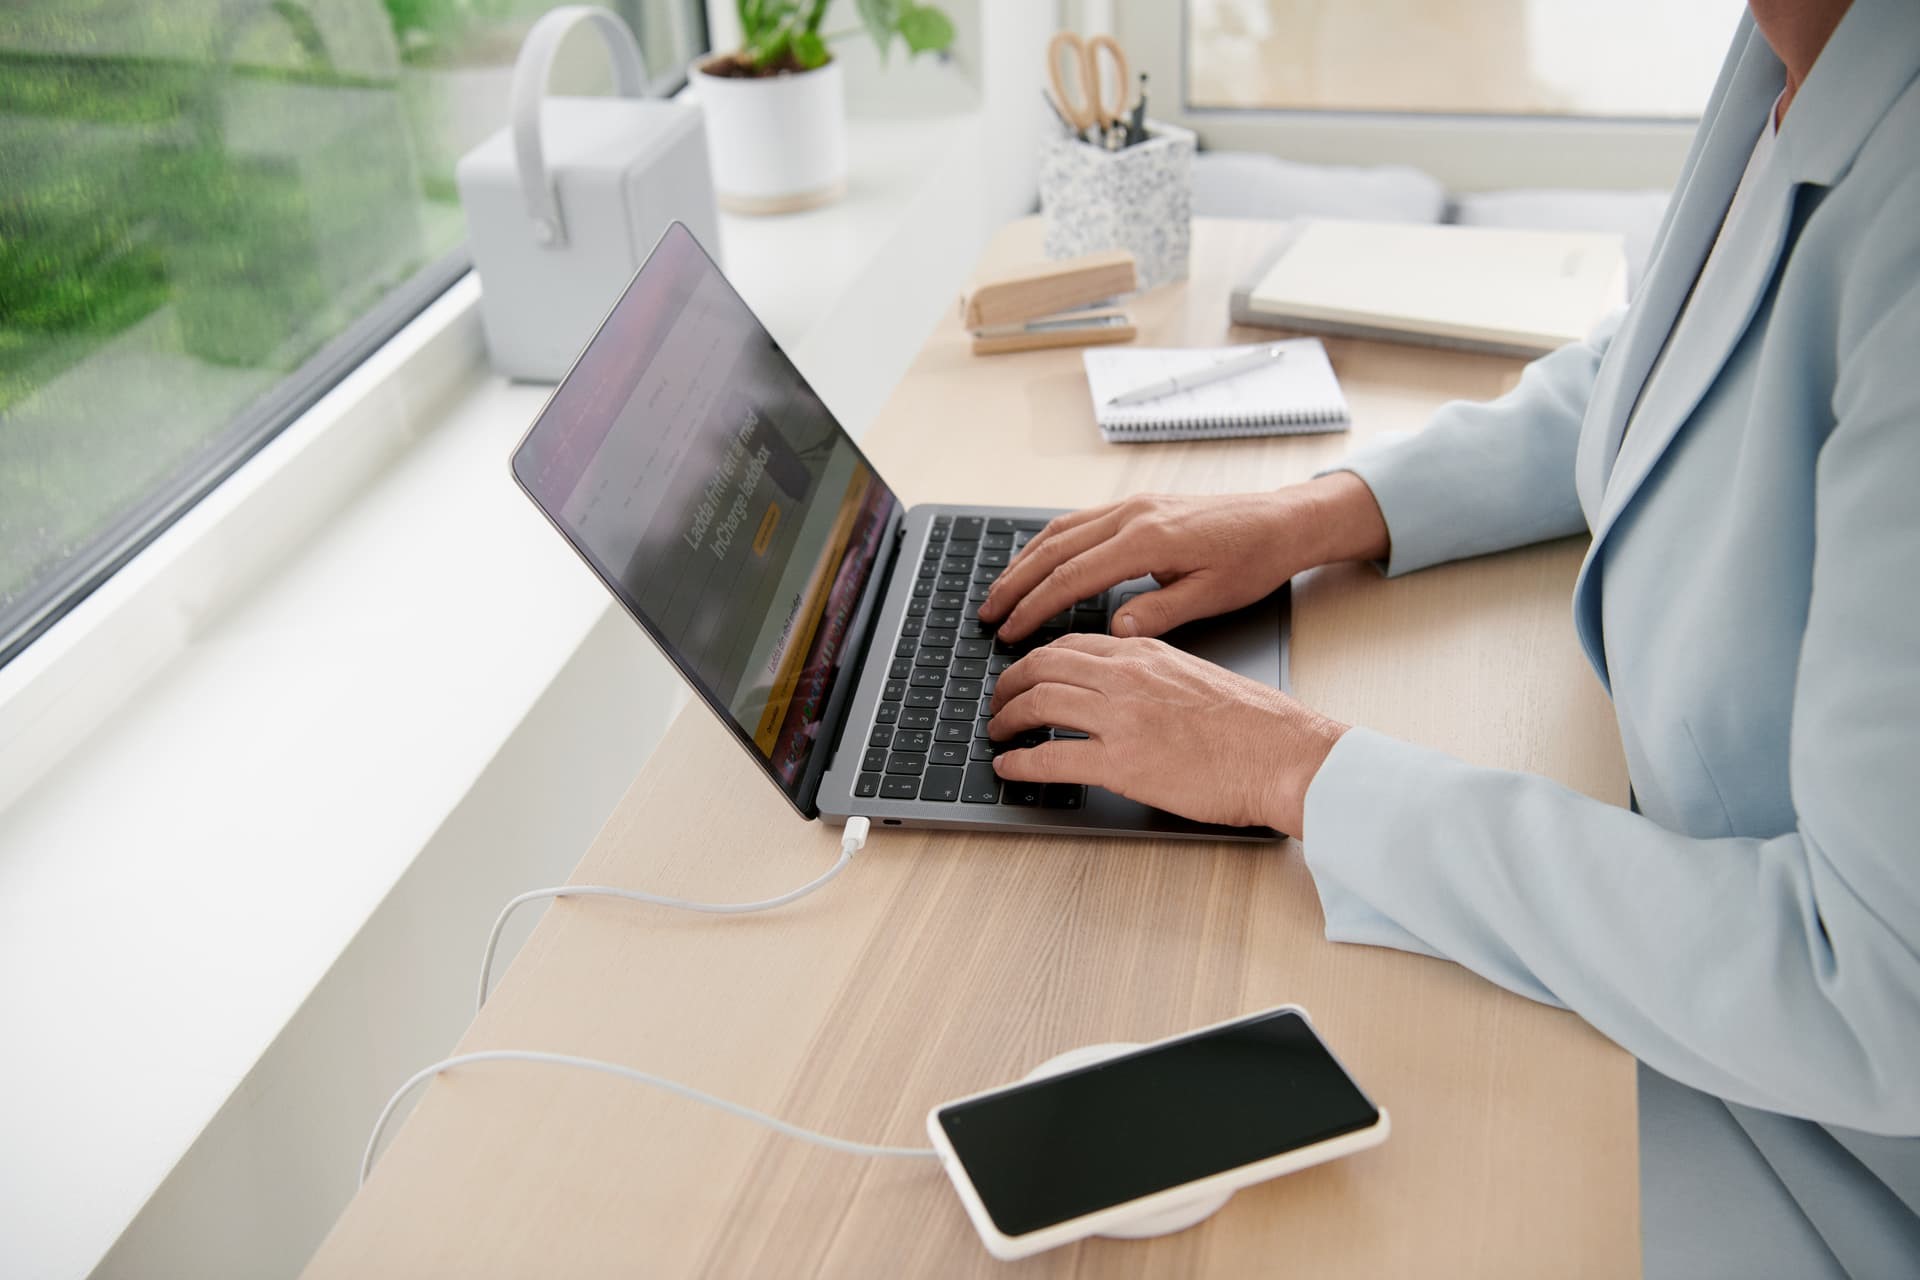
[[1481, 94], [1623, 59], [210, 210]]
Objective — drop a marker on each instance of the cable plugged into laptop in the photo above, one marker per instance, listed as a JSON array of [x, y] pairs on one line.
[[852, 840]]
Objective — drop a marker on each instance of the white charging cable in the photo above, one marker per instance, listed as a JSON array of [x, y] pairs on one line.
[[851, 842], [637, 1077], [854, 839]]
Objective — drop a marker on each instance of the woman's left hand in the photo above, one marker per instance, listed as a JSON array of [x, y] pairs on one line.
[[1165, 728]]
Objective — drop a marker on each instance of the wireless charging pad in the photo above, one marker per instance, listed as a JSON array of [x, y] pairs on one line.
[[1178, 1217]]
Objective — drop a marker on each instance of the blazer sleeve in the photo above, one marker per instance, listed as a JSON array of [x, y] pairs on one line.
[[1487, 477], [1784, 972]]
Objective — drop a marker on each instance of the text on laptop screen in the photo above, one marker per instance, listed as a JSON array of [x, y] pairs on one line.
[[714, 493]]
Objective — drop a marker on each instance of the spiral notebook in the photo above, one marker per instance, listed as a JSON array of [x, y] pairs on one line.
[[1293, 395]]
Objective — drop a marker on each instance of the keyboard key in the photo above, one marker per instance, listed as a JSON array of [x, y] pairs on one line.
[[933, 657], [968, 526], [942, 521], [999, 662], [923, 697], [947, 753], [911, 627], [963, 547], [867, 784], [970, 669], [980, 727], [952, 582], [953, 731], [906, 762], [981, 785], [958, 709], [981, 750], [973, 627], [926, 678], [956, 564], [893, 691], [978, 592], [942, 619], [1063, 795], [910, 740], [901, 669], [881, 736], [923, 588], [999, 524], [1030, 526], [986, 573], [914, 717], [999, 558], [917, 608], [888, 712], [940, 639], [1020, 793], [941, 783], [1094, 602], [988, 685], [875, 760], [904, 649], [949, 600], [997, 540], [1061, 621], [972, 647], [959, 688], [899, 786], [930, 568], [1089, 619]]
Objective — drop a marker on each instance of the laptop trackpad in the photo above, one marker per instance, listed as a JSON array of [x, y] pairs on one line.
[[1247, 641]]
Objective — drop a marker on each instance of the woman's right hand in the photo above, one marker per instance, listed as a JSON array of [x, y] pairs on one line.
[[1210, 555]]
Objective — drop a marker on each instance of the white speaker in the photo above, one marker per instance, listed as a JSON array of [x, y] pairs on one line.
[[564, 204]]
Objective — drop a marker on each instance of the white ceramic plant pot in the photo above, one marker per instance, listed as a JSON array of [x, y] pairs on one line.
[[777, 144]]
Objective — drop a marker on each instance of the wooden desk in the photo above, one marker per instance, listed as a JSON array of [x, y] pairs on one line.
[[941, 964]]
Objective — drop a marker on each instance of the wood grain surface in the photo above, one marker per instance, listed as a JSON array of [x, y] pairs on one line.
[[940, 964]]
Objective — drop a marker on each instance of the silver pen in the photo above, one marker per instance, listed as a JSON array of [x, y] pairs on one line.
[[1219, 372]]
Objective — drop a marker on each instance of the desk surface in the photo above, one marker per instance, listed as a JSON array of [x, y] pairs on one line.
[[940, 964]]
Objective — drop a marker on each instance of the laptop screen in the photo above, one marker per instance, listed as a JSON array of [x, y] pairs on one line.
[[693, 467]]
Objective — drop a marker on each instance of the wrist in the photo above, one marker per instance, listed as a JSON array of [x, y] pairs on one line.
[[1304, 740], [1344, 521]]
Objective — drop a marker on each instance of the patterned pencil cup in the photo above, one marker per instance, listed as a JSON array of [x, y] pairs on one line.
[[1139, 199]]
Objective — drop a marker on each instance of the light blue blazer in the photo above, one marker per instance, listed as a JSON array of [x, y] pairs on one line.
[[1751, 601]]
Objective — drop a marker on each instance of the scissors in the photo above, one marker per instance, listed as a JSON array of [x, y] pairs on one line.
[[1086, 107]]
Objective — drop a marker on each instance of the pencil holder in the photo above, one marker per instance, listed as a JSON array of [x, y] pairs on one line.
[[1139, 199]]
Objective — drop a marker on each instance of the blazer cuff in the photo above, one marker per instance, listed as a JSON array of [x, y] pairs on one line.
[[1422, 529], [1338, 805]]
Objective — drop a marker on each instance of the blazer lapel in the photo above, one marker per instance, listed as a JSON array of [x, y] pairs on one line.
[[1727, 134]]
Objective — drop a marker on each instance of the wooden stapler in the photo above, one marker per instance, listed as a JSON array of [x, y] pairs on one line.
[[1070, 303]]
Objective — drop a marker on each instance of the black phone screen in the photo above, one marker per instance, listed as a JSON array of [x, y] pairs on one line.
[[1040, 1154]]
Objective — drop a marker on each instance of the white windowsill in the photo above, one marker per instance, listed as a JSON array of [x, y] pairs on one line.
[[229, 813]]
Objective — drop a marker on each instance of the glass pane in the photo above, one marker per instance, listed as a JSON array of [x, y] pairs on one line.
[[1608, 58], [195, 197]]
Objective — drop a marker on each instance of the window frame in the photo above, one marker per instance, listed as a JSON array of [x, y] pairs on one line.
[[63, 589]]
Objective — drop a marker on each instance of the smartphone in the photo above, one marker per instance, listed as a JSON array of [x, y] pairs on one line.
[[1046, 1162]]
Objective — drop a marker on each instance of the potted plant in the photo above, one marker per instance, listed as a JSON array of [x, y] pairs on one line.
[[776, 107]]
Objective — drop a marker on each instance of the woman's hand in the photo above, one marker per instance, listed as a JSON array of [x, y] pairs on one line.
[[1164, 728], [1210, 555]]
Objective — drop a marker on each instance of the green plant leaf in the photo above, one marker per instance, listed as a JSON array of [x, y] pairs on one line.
[[881, 19], [925, 28], [809, 50]]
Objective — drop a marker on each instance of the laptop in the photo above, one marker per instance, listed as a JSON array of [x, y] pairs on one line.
[[833, 630]]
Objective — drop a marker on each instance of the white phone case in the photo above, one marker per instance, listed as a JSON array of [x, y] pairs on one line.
[[1008, 1248]]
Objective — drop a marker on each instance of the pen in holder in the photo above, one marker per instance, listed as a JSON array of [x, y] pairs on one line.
[[1138, 198]]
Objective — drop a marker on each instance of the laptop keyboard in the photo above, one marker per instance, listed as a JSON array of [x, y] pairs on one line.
[[929, 738]]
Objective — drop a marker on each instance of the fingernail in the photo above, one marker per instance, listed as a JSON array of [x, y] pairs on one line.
[[1125, 625]]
